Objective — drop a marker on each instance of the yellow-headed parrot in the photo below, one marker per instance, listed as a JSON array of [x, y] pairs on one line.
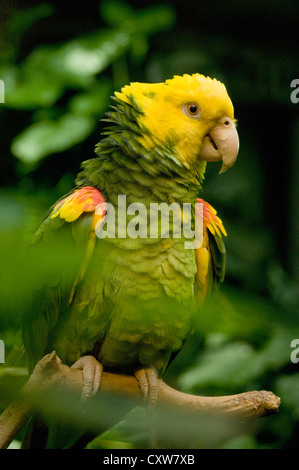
[[129, 302]]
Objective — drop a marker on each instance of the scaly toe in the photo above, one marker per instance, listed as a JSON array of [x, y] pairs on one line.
[[92, 375], [148, 384]]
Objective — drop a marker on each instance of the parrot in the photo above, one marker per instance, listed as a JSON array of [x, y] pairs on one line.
[[127, 304]]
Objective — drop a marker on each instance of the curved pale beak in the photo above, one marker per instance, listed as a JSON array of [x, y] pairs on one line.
[[221, 143]]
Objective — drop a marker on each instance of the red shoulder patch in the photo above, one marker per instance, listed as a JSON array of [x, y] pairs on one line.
[[210, 219], [81, 200]]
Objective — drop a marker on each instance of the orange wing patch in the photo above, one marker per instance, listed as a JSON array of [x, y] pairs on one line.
[[210, 219], [81, 200], [213, 224]]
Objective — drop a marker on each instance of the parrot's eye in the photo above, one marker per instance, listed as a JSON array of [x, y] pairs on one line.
[[192, 109]]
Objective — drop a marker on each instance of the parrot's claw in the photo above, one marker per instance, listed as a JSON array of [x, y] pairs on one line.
[[92, 375]]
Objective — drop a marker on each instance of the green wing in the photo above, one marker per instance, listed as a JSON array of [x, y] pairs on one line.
[[64, 245], [218, 258]]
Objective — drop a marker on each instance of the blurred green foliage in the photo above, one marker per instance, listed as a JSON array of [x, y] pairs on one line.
[[59, 68], [39, 81]]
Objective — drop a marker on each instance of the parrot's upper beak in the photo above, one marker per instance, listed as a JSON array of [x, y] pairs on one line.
[[221, 143]]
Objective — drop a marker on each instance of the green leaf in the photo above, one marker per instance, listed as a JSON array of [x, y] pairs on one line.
[[144, 21], [77, 62], [21, 20], [238, 364], [288, 388], [115, 12], [130, 432], [46, 137], [30, 89], [155, 18], [15, 444], [219, 366], [44, 75], [93, 102]]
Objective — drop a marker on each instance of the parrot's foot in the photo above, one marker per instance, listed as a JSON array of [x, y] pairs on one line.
[[148, 384], [92, 375]]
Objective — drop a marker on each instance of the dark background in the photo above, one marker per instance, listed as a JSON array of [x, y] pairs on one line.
[[49, 123]]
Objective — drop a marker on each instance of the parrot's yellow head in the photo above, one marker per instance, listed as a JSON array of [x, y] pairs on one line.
[[192, 114]]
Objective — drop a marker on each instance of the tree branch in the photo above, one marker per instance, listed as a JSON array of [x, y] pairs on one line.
[[51, 374]]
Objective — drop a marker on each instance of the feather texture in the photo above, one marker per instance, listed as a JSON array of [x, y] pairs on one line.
[[131, 302]]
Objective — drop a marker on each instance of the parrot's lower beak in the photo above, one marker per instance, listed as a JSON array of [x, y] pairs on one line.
[[221, 143]]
